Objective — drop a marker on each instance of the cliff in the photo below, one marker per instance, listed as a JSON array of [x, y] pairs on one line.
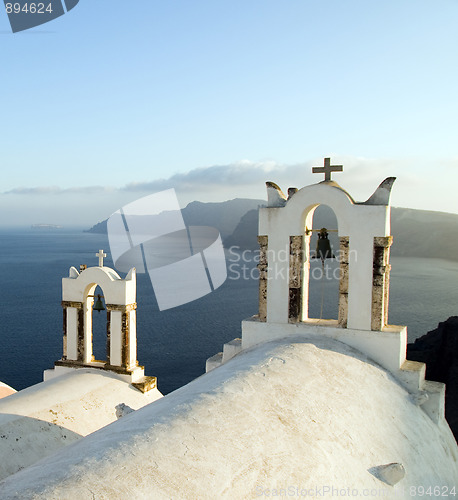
[[439, 350], [417, 233], [408, 227]]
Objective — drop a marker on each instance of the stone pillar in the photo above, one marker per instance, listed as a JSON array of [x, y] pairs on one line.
[[262, 266], [64, 330], [122, 336], [125, 339], [73, 338], [81, 336], [108, 337], [380, 282], [386, 294], [343, 282], [132, 350], [87, 345], [295, 278]]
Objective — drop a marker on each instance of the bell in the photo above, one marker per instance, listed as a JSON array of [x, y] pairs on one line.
[[323, 246], [98, 306]]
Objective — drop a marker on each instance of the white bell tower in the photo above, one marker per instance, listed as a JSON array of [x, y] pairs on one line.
[[120, 302], [285, 228]]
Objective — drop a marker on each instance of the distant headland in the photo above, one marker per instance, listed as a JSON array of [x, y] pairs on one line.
[[417, 233]]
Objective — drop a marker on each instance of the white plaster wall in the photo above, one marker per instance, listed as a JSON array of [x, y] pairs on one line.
[[136, 375], [360, 281], [388, 347], [72, 334], [278, 278], [115, 338], [115, 289]]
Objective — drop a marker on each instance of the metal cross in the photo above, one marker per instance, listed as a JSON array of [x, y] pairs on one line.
[[100, 255], [327, 169]]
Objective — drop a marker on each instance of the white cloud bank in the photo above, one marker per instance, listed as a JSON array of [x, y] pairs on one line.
[[418, 185]]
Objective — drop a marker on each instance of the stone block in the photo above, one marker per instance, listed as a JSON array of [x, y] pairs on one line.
[[213, 362], [343, 309], [231, 349], [344, 274], [295, 305], [435, 405], [145, 384], [412, 375]]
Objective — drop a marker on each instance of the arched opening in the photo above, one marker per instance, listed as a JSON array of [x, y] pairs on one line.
[[99, 330], [323, 273], [95, 327]]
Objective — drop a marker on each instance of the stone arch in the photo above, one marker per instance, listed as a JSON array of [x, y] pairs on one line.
[[302, 204], [88, 303], [318, 276], [341, 204]]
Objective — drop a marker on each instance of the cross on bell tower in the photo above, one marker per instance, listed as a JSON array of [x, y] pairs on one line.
[[327, 169], [100, 255]]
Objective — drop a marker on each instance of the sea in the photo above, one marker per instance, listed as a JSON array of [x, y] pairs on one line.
[[173, 345]]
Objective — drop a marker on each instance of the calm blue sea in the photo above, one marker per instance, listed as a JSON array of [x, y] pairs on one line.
[[172, 345]]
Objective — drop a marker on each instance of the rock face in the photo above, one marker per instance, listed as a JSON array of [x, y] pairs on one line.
[[245, 234], [439, 350], [223, 216], [406, 228], [237, 221]]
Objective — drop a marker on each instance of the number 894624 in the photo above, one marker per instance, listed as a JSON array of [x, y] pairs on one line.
[[28, 8]]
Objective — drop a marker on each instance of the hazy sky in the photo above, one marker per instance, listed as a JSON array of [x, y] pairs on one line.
[[118, 99]]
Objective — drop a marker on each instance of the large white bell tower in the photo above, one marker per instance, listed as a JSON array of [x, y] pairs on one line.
[[285, 228]]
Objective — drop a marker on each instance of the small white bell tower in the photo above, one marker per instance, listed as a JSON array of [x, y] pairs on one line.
[[120, 302]]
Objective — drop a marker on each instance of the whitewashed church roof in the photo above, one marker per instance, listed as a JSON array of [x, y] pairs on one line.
[[41, 419], [295, 413]]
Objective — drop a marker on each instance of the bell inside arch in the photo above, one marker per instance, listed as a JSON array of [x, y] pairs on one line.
[[323, 245], [98, 306]]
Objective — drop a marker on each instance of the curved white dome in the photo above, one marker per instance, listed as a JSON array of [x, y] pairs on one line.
[[286, 414], [45, 417]]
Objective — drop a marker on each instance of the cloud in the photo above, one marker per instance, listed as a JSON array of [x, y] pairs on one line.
[[419, 184], [55, 190], [243, 172]]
